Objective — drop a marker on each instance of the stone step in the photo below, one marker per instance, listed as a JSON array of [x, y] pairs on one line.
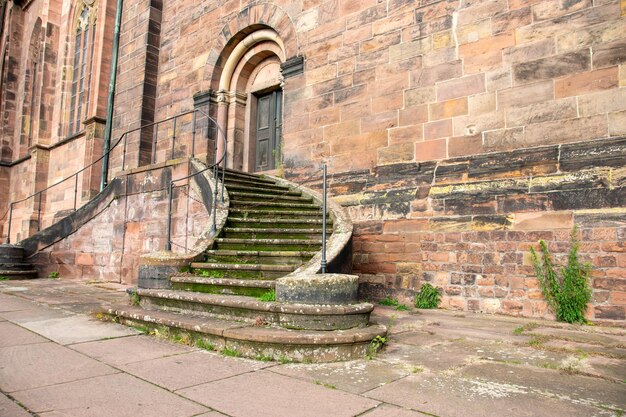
[[236, 213], [11, 253], [225, 286], [297, 245], [234, 187], [240, 196], [257, 184], [265, 257], [254, 341], [249, 309], [252, 233], [286, 206], [15, 266], [242, 267], [23, 274], [280, 222], [235, 175]]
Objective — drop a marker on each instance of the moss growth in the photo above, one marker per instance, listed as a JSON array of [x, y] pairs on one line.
[[219, 289], [231, 352], [268, 296]]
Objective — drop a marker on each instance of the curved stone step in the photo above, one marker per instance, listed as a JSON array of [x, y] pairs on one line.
[[262, 190], [244, 175], [10, 266], [254, 341], [258, 233], [246, 196], [292, 316], [280, 222], [283, 245], [248, 287], [270, 213], [243, 267], [287, 206]]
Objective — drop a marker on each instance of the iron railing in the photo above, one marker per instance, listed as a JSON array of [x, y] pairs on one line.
[[37, 197]]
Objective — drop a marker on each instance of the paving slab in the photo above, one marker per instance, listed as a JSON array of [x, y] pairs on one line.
[[66, 328], [189, 369], [265, 393], [13, 335], [576, 389], [352, 376], [118, 395], [388, 410], [450, 396], [123, 350], [8, 408], [11, 303], [582, 335], [37, 365], [567, 346]]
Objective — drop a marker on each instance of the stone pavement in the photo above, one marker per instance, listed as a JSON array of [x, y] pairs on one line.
[[57, 360]]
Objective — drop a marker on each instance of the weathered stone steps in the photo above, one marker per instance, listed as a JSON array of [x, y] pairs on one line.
[[243, 267], [249, 287], [293, 223], [265, 257], [238, 213], [261, 197], [12, 265], [259, 233], [286, 206], [243, 308], [254, 341], [262, 190]]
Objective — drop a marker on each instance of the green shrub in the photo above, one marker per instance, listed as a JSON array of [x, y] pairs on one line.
[[388, 301], [53, 275], [427, 297], [569, 294]]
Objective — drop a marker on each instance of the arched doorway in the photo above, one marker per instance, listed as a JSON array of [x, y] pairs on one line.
[[249, 99]]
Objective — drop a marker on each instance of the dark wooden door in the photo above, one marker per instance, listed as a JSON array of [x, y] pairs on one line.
[[268, 126]]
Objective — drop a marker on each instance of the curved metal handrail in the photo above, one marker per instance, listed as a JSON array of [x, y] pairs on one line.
[[123, 139]]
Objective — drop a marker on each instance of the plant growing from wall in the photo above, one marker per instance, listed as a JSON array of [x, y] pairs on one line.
[[427, 297], [568, 294]]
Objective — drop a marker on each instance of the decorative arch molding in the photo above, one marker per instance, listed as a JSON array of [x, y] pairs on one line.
[[254, 18]]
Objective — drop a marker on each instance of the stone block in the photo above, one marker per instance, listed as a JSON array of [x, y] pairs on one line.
[[606, 55], [552, 67], [602, 102], [541, 112], [591, 36], [503, 139], [438, 129], [529, 52], [563, 131], [524, 95], [448, 109], [587, 82], [401, 152], [429, 76], [543, 221], [509, 21], [405, 134], [460, 87], [417, 96], [465, 145], [617, 123], [431, 150], [550, 9]]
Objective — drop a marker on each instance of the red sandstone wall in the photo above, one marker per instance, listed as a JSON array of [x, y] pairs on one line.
[[108, 247]]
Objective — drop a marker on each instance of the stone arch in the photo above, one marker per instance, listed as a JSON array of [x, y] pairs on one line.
[[251, 19]]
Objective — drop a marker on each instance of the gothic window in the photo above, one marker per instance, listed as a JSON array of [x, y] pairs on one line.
[[84, 37]]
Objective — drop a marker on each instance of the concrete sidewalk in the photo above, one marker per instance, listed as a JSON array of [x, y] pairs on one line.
[[56, 360]]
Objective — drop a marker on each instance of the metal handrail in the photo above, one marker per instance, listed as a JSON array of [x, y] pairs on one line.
[[215, 167], [122, 139]]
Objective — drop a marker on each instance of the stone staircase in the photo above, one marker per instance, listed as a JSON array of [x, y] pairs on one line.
[[226, 301], [12, 264]]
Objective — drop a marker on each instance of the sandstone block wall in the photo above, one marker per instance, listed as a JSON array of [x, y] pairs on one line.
[[108, 247], [457, 132]]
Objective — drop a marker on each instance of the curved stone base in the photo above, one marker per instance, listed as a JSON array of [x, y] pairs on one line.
[[318, 289], [256, 342]]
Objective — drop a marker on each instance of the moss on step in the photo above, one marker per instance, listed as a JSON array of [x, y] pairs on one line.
[[282, 235], [222, 273], [219, 289], [295, 248]]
